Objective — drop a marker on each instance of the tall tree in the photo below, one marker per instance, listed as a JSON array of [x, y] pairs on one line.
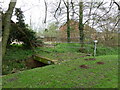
[[81, 25], [0, 44], [68, 21], [6, 23]]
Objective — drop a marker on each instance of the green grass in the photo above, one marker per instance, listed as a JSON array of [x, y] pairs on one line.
[[14, 59], [65, 75], [17, 53], [89, 48], [68, 75]]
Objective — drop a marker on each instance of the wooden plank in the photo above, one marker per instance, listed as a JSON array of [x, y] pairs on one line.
[[44, 59]]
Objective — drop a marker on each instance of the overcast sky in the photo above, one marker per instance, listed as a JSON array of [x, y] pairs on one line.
[[34, 10]]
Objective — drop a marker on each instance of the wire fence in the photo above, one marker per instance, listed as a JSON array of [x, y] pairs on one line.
[[106, 42], [74, 44]]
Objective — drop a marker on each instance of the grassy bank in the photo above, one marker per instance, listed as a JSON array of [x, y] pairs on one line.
[[68, 75], [14, 60], [15, 57]]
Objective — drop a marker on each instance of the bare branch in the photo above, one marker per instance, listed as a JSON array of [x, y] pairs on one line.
[[116, 24], [117, 4], [98, 20], [65, 3], [45, 11], [57, 10], [72, 8]]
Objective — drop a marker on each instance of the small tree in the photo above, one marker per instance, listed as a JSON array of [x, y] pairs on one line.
[[21, 31], [51, 31]]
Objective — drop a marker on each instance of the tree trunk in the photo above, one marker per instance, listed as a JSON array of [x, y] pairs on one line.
[[0, 45], [81, 26], [7, 23], [68, 23]]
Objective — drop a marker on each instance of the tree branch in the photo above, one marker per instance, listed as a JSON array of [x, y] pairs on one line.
[[45, 11], [117, 4], [57, 10]]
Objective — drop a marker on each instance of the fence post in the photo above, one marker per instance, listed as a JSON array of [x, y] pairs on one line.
[[95, 41]]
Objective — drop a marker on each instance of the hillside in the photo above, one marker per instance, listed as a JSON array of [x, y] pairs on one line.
[[69, 74]]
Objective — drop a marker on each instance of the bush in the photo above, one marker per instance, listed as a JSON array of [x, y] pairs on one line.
[[26, 35]]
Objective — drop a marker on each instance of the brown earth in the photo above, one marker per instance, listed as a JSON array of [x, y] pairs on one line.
[[84, 66], [31, 63], [100, 62]]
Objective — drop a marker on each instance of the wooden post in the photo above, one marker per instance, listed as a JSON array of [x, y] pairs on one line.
[[95, 41]]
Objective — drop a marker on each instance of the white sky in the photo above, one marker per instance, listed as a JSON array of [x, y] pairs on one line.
[[34, 9]]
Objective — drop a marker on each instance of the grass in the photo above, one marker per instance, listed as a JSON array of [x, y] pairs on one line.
[[68, 75], [16, 55], [14, 60], [89, 48]]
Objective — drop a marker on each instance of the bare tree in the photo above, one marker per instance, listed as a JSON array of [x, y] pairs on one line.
[[98, 15], [81, 26], [6, 23], [0, 43]]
